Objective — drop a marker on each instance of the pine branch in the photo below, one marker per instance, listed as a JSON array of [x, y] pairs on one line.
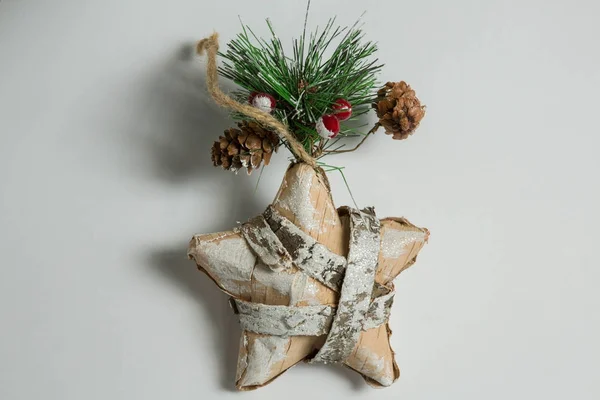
[[307, 83]]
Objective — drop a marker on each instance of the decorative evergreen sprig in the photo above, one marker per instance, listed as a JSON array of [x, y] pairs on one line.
[[307, 83]]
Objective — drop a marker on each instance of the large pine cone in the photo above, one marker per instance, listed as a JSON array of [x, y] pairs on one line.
[[244, 147], [399, 110]]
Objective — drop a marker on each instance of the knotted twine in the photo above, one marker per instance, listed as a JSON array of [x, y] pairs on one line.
[[210, 45]]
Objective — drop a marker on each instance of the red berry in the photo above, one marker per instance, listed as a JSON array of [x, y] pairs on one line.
[[328, 126], [342, 109]]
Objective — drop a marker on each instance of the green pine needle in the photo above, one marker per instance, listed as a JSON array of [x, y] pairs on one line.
[[329, 168]]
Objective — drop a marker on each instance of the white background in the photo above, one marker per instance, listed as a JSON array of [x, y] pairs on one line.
[[105, 174]]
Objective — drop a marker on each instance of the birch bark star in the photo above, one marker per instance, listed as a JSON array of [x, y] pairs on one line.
[[311, 282]]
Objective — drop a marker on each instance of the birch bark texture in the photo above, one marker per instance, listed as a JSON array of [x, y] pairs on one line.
[[295, 255]]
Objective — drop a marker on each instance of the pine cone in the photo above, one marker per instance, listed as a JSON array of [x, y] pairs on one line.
[[244, 147], [399, 110]]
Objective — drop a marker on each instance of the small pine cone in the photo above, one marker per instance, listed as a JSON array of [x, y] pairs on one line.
[[246, 146], [399, 110]]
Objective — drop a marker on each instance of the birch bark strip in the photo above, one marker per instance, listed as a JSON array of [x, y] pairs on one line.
[[307, 254], [285, 320], [357, 288], [265, 244]]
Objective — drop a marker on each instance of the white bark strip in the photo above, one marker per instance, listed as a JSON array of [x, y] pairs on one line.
[[315, 259], [304, 321], [285, 320], [265, 244], [379, 311], [357, 288]]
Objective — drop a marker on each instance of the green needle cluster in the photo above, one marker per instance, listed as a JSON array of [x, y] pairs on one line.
[[323, 66]]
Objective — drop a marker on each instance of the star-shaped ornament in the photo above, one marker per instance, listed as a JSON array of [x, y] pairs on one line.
[[310, 282]]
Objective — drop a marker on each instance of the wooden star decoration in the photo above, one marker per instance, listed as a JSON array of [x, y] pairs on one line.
[[257, 274]]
